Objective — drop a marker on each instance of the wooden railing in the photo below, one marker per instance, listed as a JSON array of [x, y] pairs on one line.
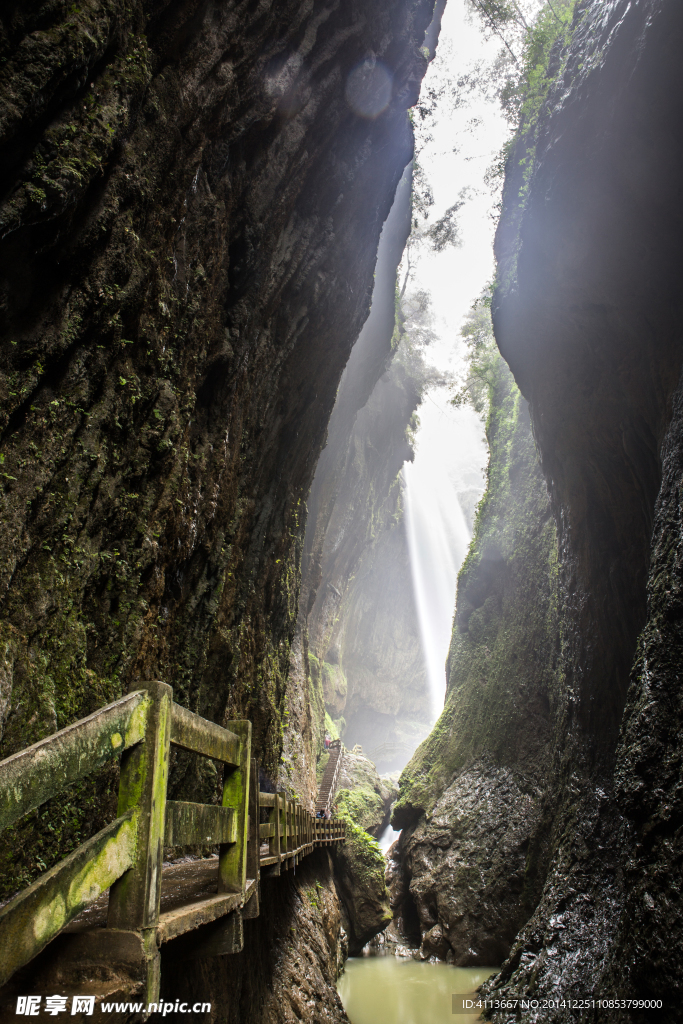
[[126, 857], [299, 832]]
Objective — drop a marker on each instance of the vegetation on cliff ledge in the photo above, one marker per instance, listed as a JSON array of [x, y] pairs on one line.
[[504, 643]]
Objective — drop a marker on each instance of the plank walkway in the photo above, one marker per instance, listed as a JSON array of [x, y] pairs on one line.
[[113, 900]]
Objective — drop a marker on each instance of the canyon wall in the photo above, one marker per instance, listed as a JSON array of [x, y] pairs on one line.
[[363, 634], [357, 650], [588, 314], [473, 797], [191, 198]]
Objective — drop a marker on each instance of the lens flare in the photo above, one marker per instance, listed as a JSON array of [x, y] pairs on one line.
[[368, 88]]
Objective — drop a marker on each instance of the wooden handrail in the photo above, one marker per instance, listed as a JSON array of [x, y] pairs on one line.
[[33, 918], [293, 832], [33, 776], [126, 856], [191, 732]]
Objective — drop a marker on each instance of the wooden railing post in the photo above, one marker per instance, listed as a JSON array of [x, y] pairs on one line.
[[299, 829], [274, 840], [134, 898], [232, 858], [253, 855], [295, 845], [285, 820], [278, 840]]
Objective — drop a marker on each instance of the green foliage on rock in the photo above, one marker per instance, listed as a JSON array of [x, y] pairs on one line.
[[361, 802], [363, 805], [331, 728], [359, 873], [481, 357], [362, 794], [501, 673]]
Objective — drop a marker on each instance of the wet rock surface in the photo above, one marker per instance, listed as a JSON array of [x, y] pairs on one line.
[[359, 868], [588, 315], [464, 867], [363, 794], [363, 800]]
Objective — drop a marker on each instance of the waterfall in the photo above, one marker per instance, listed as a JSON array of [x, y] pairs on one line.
[[445, 475]]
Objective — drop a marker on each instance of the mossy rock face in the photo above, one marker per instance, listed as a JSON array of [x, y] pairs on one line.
[[501, 662], [335, 687], [359, 868], [365, 806], [362, 794], [473, 847], [170, 321], [363, 802]]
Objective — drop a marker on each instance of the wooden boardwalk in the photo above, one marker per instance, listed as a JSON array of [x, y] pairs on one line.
[[113, 899]]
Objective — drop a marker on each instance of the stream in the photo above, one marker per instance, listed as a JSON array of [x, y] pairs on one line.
[[389, 990]]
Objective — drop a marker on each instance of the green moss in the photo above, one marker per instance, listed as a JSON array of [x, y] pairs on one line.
[[543, 67], [362, 805], [334, 682], [505, 641], [331, 728], [364, 851], [313, 893], [359, 871]]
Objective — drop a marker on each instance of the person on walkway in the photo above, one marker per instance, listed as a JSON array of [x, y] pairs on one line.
[[328, 740]]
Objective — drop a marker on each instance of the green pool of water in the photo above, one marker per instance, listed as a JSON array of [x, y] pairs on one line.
[[389, 990]]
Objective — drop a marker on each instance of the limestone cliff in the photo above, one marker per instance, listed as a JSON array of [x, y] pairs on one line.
[[588, 314], [357, 608], [363, 794], [471, 799]]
